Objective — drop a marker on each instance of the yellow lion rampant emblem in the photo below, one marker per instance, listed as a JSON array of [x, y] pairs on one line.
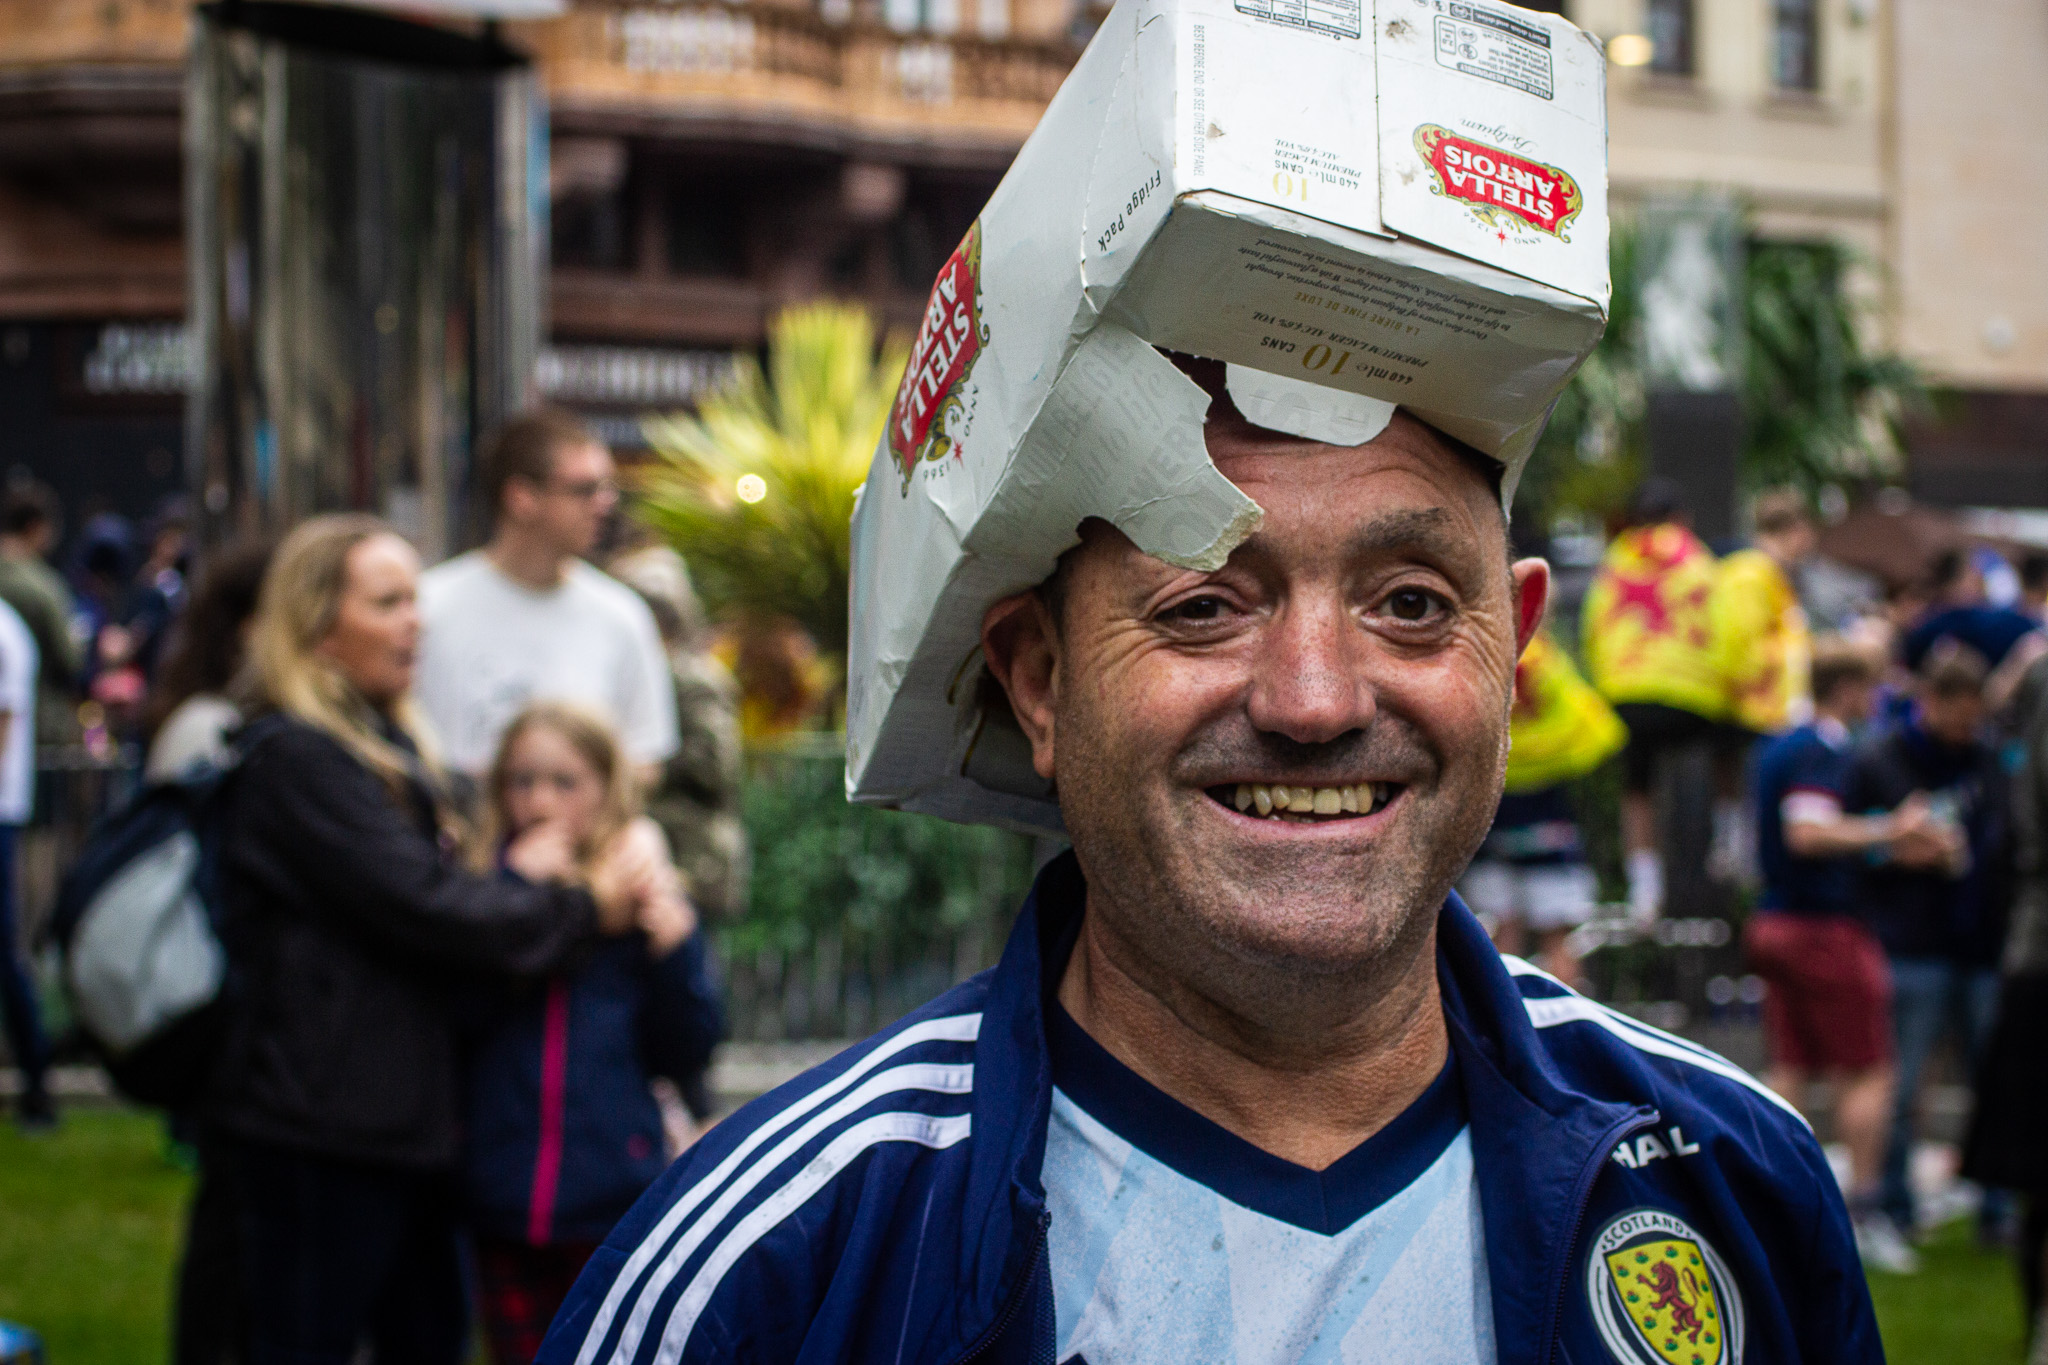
[[1661, 1295]]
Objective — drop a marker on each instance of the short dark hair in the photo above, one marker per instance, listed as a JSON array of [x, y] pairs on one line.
[[1777, 510], [1953, 669], [27, 506], [1656, 500], [1947, 570], [1839, 663], [525, 448]]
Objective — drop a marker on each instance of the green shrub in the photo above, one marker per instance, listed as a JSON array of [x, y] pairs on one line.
[[870, 880]]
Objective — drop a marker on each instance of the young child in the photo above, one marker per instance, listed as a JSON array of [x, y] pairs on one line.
[[563, 1134]]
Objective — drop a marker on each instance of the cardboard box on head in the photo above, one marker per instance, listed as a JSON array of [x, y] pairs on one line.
[[1355, 204]]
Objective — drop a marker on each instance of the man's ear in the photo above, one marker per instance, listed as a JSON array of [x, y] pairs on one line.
[[1021, 646], [520, 501], [1531, 581]]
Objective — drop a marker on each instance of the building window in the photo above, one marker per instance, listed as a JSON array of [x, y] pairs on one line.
[[927, 16], [1671, 37], [705, 227], [588, 230], [1796, 64]]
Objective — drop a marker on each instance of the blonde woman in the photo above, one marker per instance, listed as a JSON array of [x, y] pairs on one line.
[[350, 921], [562, 1133]]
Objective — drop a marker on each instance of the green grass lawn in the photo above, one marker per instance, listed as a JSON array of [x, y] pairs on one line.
[[89, 1226], [89, 1220], [1963, 1306]]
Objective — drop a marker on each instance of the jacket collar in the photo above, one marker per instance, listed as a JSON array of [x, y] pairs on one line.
[[1537, 1143]]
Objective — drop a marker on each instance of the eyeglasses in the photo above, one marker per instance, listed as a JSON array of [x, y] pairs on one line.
[[586, 490]]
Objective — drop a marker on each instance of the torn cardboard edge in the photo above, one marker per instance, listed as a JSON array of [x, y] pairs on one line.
[[1051, 405], [1313, 412], [1119, 438]]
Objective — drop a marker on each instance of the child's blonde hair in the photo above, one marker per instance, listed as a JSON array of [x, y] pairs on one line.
[[593, 738]]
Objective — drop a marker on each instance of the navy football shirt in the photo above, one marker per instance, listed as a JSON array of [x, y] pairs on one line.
[[1810, 763]]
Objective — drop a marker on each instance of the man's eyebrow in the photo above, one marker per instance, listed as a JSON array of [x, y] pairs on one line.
[[1430, 532], [1427, 529]]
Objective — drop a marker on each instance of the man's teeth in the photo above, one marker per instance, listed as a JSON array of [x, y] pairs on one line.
[[1364, 798]]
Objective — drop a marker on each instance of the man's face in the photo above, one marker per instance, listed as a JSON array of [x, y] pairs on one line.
[[1955, 718], [1854, 701], [1365, 638], [569, 510], [1792, 546]]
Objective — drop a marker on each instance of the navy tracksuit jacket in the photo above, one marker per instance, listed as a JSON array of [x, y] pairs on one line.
[[561, 1133], [1644, 1201]]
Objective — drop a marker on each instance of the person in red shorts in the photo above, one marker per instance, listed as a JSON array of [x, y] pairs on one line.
[[1827, 1013]]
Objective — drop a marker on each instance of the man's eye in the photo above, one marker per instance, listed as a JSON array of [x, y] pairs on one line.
[[1197, 609], [1412, 604]]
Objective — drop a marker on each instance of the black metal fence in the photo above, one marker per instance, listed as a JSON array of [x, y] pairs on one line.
[[858, 916]]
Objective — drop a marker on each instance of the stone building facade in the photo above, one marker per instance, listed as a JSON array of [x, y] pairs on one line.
[[1909, 130], [713, 160]]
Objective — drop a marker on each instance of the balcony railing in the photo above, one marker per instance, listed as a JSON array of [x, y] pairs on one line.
[[775, 62], [831, 66]]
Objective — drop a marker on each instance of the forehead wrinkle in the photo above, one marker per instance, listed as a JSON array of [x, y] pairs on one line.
[[1428, 531], [1411, 528]]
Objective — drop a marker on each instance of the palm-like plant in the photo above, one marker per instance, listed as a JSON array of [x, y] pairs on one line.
[[1822, 407], [1591, 454], [756, 489]]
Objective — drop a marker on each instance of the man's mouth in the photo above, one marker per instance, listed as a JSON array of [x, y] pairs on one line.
[[1275, 801]]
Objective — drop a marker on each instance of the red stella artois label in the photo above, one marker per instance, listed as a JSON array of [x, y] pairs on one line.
[[948, 340], [1506, 191]]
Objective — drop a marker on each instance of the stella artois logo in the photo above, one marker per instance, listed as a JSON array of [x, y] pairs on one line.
[[948, 340], [1507, 192], [1660, 1295]]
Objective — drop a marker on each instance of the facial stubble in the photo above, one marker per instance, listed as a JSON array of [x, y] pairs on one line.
[[1265, 933]]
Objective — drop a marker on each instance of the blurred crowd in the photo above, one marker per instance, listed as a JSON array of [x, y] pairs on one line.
[[469, 823], [1879, 796], [466, 826]]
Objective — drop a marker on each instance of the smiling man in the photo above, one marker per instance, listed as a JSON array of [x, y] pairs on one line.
[[1248, 1084]]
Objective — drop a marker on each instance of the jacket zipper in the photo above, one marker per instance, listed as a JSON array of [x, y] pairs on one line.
[[554, 1085], [994, 1332], [1582, 1195]]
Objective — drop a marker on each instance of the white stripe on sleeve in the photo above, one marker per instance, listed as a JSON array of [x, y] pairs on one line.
[[1550, 1011], [957, 1028], [945, 1080], [925, 1129], [1809, 808]]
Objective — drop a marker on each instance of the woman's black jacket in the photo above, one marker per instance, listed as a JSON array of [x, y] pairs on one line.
[[351, 930]]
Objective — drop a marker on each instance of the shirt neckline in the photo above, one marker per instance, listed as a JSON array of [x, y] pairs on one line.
[[527, 590], [1324, 1202]]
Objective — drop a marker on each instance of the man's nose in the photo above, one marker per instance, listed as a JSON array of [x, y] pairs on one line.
[[1309, 676]]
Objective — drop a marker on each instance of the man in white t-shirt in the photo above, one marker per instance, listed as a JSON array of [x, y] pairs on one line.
[[525, 619], [19, 663]]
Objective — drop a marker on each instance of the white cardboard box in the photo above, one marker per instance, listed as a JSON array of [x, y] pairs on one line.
[[1353, 204]]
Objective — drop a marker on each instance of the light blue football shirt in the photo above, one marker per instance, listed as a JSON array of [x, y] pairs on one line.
[[1175, 1241]]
